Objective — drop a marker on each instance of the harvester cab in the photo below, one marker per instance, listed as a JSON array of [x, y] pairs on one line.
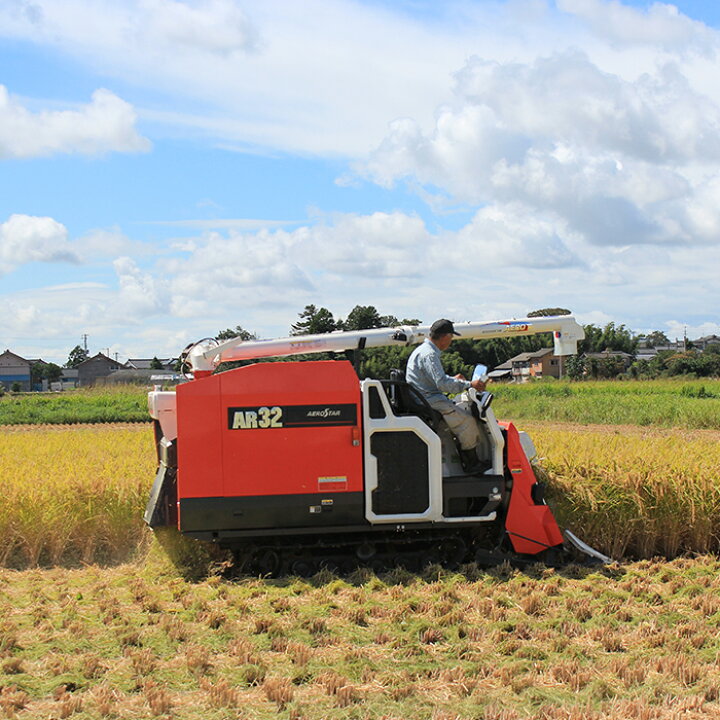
[[300, 465]]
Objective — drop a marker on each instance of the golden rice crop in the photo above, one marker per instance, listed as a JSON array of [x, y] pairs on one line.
[[634, 491], [73, 493], [77, 493]]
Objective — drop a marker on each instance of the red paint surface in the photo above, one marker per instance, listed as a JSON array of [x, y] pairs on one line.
[[216, 461], [524, 517]]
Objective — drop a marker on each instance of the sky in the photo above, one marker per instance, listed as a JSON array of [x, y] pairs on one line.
[[172, 168]]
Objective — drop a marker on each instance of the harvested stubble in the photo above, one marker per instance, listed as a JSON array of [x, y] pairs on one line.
[[73, 493], [637, 643], [632, 491]]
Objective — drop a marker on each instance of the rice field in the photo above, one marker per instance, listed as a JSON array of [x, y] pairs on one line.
[[84, 636], [73, 494], [76, 494], [681, 403]]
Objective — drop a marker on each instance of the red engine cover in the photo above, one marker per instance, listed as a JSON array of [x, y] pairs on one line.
[[280, 428]]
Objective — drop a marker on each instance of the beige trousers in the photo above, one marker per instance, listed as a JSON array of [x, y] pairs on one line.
[[461, 423]]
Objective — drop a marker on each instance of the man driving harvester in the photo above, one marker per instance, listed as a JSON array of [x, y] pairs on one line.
[[425, 372]]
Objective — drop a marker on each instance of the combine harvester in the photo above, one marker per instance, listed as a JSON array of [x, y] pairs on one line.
[[295, 466]]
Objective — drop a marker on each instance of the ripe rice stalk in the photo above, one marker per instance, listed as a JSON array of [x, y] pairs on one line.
[[632, 491], [73, 494]]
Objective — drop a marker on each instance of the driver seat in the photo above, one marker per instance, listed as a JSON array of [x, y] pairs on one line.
[[407, 400]]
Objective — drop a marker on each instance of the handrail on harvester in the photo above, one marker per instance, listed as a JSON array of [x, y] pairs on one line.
[[206, 355]]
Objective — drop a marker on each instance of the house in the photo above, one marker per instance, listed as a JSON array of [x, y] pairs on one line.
[[143, 377], [68, 380], [94, 368], [146, 364], [536, 364], [703, 342], [617, 355], [16, 371], [502, 373]]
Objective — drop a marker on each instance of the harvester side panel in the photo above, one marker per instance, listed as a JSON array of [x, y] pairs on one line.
[[289, 450]]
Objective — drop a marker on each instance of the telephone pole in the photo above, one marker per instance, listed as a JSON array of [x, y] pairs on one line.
[[85, 337]]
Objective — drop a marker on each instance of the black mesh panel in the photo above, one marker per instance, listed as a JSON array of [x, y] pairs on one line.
[[402, 470]]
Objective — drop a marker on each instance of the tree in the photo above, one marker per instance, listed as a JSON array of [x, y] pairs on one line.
[[238, 332], [392, 321], [37, 373], [314, 321], [575, 367], [549, 312], [77, 355], [155, 364], [611, 337], [45, 371], [657, 337], [52, 372], [365, 317]]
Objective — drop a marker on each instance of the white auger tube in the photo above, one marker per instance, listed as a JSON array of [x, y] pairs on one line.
[[208, 354]]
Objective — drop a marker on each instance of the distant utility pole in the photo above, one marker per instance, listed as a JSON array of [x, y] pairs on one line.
[[685, 338], [85, 337]]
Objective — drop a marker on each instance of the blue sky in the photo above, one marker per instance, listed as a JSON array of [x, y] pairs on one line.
[[169, 168]]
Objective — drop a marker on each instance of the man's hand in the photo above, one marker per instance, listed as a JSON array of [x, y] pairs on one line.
[[460, 376], [479, 385]]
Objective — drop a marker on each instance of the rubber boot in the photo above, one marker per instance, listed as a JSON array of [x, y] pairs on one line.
[[470, 462]]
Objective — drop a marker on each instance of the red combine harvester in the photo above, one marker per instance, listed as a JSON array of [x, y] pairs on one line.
[[301, 465]]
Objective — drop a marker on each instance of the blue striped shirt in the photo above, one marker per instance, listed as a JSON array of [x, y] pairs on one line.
[[426, 373]]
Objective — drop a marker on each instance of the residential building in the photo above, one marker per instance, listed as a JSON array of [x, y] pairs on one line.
[[536, 364], [16, 371], [627, 359], [705, 341], [95, 368], [146, 364], [522, 367]]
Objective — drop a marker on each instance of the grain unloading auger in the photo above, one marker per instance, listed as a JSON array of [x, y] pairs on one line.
[[299, 465]]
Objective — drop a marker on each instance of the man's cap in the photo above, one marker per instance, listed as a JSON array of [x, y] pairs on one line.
[[443, 327]]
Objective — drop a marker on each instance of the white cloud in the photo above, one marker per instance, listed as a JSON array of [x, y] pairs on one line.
[[25, 239], [216, 26], [618, 162], [504, 262], [141, 293], [380, 245], [106, 124], [661, 24], [508, 236]]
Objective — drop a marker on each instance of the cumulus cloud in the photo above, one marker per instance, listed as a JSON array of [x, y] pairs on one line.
[[25, 238], [140, 293], [237, 270], [508, 236], [216, 26], [612, 160], [380, 245], [106, 124], [660, 24]]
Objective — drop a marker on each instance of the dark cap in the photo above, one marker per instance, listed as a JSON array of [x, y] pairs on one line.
[[443, 327]]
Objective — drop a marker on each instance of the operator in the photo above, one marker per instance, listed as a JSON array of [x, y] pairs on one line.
[[425, 372]]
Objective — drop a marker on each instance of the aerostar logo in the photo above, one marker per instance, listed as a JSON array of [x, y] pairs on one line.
[[515, 326], [327, 412]]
